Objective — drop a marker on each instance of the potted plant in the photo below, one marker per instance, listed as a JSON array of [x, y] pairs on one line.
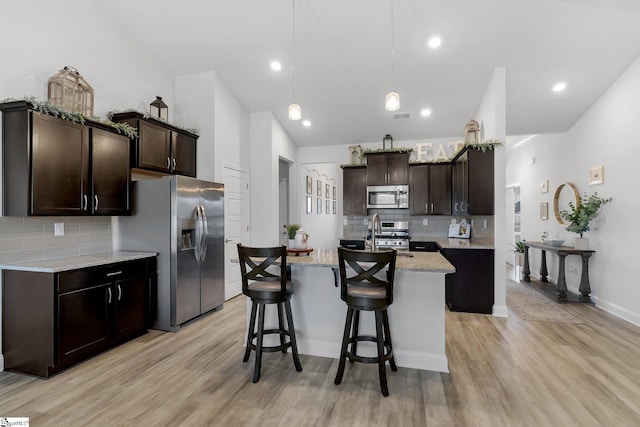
[[581, 214], [291, 232], [518, 249]]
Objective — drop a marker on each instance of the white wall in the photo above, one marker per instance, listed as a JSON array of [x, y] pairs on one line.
[[492, 117], [605, 135], [269, 143]]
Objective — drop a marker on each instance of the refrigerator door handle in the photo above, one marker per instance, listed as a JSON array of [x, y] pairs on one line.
[[198, 230], [205, 234]]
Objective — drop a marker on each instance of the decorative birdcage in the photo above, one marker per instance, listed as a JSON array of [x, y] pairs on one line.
[[159, 109], [69, 90], [472, 132]]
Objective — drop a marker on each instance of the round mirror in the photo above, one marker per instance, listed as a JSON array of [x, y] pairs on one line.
[[562, 198]]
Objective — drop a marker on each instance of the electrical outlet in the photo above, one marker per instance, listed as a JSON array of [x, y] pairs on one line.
[[365, 221], [345, 221], [545, 234], [425, 221], [58, 229]]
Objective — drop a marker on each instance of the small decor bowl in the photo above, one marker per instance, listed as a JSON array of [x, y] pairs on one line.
[[555, 242]]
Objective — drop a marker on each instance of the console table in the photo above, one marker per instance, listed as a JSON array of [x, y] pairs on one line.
[[562, 251]]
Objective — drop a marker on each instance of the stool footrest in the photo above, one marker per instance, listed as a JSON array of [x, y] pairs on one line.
[[273, 348], [369, 359]]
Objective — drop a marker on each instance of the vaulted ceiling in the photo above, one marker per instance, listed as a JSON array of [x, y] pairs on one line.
[[343, 58]]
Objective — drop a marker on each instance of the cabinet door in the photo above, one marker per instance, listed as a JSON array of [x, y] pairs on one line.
[[480, 182], [439, 189], [470, 288], [376, 169], [111, 176], [183, 153], [419, 190], [131, 309], [84, 322], [60, 166], [398, 168], [154, 144], [354, 183], [460, 184]]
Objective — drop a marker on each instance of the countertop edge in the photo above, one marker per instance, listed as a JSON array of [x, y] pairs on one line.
[[55, 265]]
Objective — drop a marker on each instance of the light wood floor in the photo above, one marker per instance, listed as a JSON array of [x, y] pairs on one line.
[[504, 372]]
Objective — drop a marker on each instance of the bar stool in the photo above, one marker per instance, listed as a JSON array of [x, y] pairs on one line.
[[265, 285], [369, 287]]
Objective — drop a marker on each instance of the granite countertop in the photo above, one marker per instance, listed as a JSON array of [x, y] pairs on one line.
[[77, 262], [431, 262]]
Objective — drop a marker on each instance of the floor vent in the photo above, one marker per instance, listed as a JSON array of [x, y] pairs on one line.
[[402, 115]]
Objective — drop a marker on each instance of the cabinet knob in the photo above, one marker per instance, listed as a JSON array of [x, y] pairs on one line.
[[95, 198], [168, 163], [84, 207], [109, 295], [173, 164], [431, 207]]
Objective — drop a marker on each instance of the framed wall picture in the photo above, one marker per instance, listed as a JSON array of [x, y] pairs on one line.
[[319, 205], [596, 175], [334, 193], [327, 190], [309, 204], [309, 185], [328, 206], [319, 190], [544, 186], [544, 210]]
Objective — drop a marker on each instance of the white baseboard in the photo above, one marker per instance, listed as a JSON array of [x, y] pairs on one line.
[[500, 311], [616, 310]]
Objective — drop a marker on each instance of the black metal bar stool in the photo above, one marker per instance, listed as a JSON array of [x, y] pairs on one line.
[[265, 285], [368, 287]]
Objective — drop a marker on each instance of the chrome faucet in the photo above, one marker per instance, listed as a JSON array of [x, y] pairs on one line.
[[376, 228]]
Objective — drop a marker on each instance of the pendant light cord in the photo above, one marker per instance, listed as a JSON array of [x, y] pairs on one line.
[[293, 47], [393, 62]]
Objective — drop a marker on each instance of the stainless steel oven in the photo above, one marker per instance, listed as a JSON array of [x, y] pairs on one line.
[[388, 196]]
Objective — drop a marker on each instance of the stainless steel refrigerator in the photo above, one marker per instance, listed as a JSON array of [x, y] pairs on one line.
[[182, 219]]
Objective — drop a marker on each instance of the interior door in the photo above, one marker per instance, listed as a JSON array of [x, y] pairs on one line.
[[236, 225]]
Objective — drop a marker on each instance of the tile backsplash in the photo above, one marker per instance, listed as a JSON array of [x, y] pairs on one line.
[[437, 225], [32, 238]]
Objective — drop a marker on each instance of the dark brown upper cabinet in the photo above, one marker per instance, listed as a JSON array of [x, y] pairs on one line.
[[430, 189], [354, 190], [387, 168], [56, 167], [472, 183], [160, 147]]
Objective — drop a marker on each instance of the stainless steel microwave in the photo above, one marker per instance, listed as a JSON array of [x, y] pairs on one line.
[[387, 196]]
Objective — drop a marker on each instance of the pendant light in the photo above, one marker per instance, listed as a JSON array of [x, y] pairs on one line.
[[295, 112], [392, 100]]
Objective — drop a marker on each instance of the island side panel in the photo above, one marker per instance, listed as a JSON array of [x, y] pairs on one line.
[[417, 317]]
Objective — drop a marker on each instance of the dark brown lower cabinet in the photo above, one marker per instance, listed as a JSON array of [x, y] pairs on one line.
[[470, 288], [52, 321]]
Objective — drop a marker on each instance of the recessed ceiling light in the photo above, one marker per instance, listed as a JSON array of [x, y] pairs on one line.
[[276, 65], [425, 112], [559, 87], [306, 123], [434, 42]]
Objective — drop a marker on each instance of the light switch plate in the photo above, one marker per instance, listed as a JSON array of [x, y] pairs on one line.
[[345, 221], [365, 221], [425, 221], [58, 229]]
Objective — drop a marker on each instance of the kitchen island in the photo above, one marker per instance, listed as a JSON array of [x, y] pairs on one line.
[[417, 315]]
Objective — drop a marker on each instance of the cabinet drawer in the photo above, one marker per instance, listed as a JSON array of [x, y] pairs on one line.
[[423, 246], [77, 279]]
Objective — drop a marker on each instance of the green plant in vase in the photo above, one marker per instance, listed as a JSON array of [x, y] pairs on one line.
[[580, 215], [291, 230]]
